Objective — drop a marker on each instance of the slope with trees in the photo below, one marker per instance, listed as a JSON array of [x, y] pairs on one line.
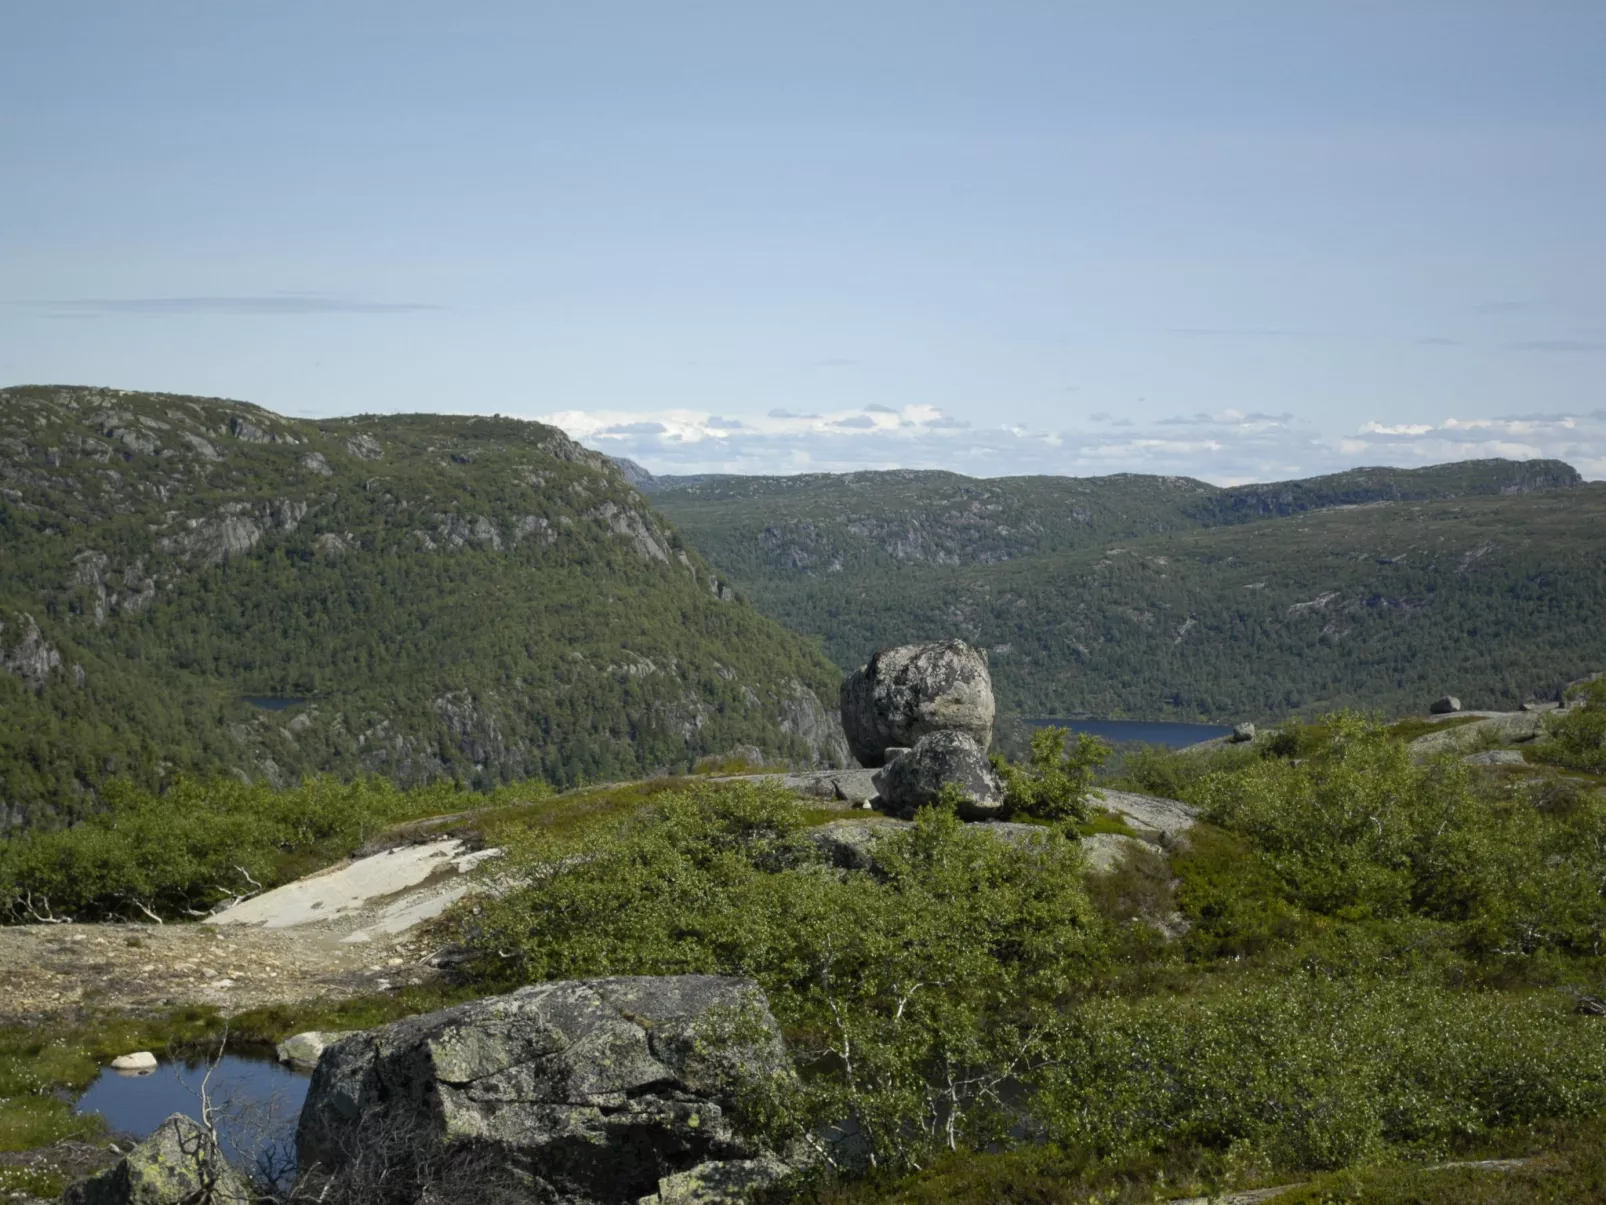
[[417, 596]]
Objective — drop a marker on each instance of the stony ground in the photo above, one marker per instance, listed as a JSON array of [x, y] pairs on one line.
[[51, 969], [352, 929]]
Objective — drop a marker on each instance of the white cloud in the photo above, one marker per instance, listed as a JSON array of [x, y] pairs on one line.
[[1226, 446]]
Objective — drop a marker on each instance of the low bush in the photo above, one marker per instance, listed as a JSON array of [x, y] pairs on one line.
[[177, 853], [1578, 736], [1053, 782], [1304, 1073], [1360, 832], [912, 997]]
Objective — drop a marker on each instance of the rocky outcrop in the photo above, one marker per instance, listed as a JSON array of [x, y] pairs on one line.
[[803, 716], [942, 759], [906, 693], [177, 1165], [595, 1092], [24, 651]]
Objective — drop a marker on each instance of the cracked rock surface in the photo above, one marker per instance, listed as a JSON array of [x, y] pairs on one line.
[[593, 1092]]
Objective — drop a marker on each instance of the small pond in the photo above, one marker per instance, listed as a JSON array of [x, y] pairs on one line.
[[256, 1101], [1149, 732], [274, 702]]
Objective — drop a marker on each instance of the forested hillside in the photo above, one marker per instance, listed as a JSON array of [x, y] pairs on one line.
[[479, 598], [1167, 597]]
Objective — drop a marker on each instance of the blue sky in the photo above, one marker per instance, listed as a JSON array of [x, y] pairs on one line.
[[1233, 240]]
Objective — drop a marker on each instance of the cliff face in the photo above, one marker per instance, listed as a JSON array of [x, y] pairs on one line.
[[476, 598]]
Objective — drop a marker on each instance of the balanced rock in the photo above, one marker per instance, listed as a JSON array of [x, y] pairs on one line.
[[904, 693], [1445, 705], [591, 1092], [916, 779], [177, 1165]]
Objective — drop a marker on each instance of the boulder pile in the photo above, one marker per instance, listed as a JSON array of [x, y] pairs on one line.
[[923, 713]]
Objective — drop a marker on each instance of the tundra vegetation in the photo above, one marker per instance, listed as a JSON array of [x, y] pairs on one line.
[[1384, 963]]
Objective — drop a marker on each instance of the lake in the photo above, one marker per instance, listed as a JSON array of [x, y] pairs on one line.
[[1148, 732], [255, 1098]]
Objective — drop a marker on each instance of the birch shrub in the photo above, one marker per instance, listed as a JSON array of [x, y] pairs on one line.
[[913, 997]]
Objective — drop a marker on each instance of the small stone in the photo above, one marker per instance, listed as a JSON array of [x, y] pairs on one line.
[[140, 1060], [304, 1049]]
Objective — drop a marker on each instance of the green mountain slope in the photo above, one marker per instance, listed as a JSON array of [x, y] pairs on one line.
[[478, 598], [1167, 597]]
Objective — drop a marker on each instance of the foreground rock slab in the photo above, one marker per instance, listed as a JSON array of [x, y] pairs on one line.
[[179, 1164], [904, 693], [595, 1092]]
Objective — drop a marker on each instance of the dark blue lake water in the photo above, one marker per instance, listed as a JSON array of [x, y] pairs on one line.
[[1148, 732], [273, 702], [256, 1101]]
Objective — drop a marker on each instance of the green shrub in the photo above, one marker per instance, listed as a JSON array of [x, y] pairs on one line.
[[177, 853], [1360, 832], [1578, 737], [910, 996], [1302, 1074], [1054, 782]]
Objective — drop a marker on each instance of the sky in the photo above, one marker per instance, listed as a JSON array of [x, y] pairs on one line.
[[1233, 240]]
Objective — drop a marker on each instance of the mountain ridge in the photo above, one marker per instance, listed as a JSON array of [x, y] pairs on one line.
[[475, 598]]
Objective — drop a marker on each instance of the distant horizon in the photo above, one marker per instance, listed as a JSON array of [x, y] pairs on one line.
[[614, 454]]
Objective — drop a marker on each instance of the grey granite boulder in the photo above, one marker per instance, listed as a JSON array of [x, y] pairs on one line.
[[590, 1092], [904, 693], [1242, 733], [1445, 705], [179, 1164], [938, 759]]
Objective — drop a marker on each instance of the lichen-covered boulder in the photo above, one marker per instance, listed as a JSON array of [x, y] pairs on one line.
[[938, 759], [179, 1164], [587, 1091], [904, 693]]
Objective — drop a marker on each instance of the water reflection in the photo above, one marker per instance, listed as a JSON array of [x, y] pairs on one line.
[[255, 1101]]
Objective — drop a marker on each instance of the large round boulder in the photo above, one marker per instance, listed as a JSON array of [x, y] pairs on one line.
[[587, 1092], [915, 779], [904, 693]]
